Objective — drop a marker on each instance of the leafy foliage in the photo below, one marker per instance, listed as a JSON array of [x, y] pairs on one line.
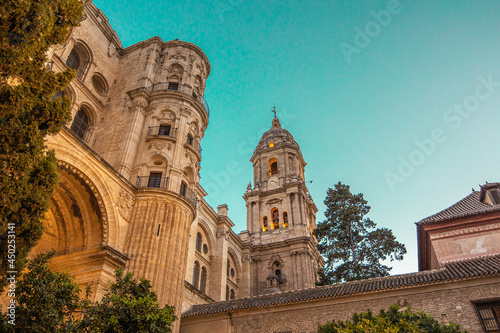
[[391, 321], [27, 114], [351, 244], [128, 306], [46, 301]]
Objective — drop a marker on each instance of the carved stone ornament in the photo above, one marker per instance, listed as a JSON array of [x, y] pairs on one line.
[[185, 111], [201, 68], [177, 56], [191, 157], [124, 203], [273, 201], [139, 103], [167, 115], [246, 258], [223, 233]]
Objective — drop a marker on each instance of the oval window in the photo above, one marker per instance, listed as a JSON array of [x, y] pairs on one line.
[[100, 85]]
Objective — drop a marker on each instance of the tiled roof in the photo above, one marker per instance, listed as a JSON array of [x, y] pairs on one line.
[[459, 270], [470, 205]]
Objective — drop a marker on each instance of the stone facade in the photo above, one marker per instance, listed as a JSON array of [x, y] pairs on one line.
[[129, 197]]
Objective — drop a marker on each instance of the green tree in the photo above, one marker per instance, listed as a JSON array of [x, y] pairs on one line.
[[392, 321], [50, 302], [27, 114], [46, 301], [128, 306], [351, 244]]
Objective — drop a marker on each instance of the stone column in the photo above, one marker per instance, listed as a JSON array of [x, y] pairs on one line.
[[157, 241], [133, 133]]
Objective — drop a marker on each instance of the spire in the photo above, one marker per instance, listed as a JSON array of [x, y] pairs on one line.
[[276, 121]]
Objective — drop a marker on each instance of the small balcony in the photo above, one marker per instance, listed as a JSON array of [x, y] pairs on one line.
[[189, 194], [162, 183], [152, 181], [162, 131], [194, 144], [185, 90]]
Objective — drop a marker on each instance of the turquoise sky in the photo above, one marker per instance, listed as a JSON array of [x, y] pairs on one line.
[[399, 99]]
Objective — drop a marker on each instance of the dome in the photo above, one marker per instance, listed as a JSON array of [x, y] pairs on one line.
[[276, 135]]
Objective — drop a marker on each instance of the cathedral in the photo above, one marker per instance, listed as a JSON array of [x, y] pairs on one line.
[[129, 197]]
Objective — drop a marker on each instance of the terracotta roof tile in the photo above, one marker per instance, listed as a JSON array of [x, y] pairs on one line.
[[459, 270], [470, 205]]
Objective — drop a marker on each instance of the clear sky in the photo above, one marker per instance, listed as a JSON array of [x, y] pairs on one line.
[[399, 99]]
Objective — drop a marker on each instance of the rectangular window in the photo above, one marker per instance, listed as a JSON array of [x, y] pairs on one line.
[[154, 179], [488, 313], [183, 189], [164, 130], [173, 86]]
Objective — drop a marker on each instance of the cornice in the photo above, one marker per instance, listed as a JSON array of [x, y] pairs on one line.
[[168, 44], [103, 24]]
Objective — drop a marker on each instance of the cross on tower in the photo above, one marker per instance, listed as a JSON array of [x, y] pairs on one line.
[[274, 110]]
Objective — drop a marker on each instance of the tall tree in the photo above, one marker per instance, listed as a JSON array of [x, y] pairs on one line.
[[128, 306], [350, 242], [393, 320], [27, 114]]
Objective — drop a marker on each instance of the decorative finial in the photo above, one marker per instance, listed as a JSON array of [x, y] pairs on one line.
[[274, 110], [249, 187], [473, 190]]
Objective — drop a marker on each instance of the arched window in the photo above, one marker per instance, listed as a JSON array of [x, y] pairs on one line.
[[227, 293], [276, 218], [196, 274], [79, 59], [231, 294], [198, 242], [203, 280], [228, 267], [265, 225], [80, 124], [285, 219], [278, 274], [73, 60], [276, 269], [273, 166]]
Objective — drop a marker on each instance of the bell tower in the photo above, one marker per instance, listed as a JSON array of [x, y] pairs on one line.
[[281, 216]]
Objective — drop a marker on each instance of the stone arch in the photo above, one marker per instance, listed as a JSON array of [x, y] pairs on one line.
[[232, 254], [77, 219], [80, 58], [274, 263], [209, 235], [189, 173], [273, 166], [149, 158]]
